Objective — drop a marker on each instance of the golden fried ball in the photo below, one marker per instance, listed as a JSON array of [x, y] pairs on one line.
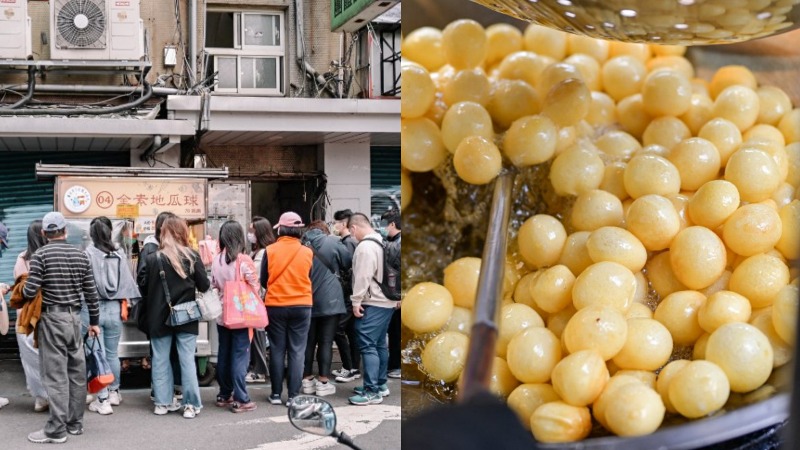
[[599, 328], [526, 398], [560, 422], [541, 239], [426, 307], [580, 377], [532, 354], [461, 279], [464, 44], [678, 312], [759, 278], [743, 353], [723, 307], [698, 389], [648, 346], [752, 229], [444, 356]]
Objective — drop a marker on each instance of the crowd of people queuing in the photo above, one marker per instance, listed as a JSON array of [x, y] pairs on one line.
[[319, 288]]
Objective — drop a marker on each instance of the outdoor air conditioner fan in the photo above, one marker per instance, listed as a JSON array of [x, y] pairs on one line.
[[81, 24]]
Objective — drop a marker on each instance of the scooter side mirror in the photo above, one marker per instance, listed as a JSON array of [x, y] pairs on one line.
[[313, 415]]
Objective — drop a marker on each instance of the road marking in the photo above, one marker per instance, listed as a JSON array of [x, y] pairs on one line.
[[353, 420]]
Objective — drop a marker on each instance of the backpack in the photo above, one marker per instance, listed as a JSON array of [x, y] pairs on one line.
[[390, 285]]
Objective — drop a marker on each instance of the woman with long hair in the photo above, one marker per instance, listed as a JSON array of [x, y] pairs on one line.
[[234, 345], [286, 279], [114, 282], [183, 273], [151, 246], [259, 237], [28, 353]]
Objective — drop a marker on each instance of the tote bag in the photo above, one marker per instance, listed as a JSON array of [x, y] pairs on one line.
[[241, 308], [98, 371]]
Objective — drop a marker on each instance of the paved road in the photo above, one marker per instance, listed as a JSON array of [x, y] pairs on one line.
[[134, 426]]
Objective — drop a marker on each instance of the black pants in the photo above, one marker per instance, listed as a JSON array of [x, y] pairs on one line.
[[320, 337], [287, 332], [394, 341], [347, 343], [258, 353]]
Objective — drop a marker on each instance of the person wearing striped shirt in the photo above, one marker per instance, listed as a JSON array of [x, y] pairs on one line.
[[64, 275]]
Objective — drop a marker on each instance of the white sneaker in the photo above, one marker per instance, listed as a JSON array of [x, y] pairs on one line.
[[326, 388], [340, 372], [89, 398], [101, 407], [309, 385], [114, 398], [396, 373], [3, 401], [41, 404], [163, 409], [189, 412]]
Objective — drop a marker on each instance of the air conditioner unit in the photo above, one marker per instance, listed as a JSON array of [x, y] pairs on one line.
[[15, 30], [97, 30]]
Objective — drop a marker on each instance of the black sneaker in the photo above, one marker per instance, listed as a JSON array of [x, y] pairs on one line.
[[75, 431], [289, 401], [275, 399]]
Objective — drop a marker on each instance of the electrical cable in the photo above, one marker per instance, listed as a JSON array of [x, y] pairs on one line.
[[148, 92], [29, 95]]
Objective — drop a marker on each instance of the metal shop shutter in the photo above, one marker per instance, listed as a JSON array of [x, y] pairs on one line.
[[384, 179], [24, 199]]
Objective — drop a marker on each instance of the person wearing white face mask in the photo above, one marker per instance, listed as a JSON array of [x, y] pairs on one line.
[[259, 236]]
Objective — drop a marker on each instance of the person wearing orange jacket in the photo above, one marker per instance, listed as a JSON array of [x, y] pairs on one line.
[[286, 275]]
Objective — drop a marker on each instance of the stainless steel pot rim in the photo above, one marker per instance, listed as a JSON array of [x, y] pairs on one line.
[[698, 433]]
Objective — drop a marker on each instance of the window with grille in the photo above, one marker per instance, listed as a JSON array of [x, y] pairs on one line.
[[246, 51]]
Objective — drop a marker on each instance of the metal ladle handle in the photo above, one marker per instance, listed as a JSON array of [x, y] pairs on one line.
[[478, 368]]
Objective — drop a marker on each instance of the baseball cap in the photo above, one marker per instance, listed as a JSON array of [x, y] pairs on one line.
[[53, 221], [289, 219], [3, 235]]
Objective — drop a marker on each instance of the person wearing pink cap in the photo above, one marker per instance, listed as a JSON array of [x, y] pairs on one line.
[[286, 275]]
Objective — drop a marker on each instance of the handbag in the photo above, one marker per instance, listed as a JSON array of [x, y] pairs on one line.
[[209, 303], [179, 314], [241, 308], [98, 371]]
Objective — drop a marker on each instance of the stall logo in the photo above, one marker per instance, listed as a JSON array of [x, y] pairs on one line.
[[77, 199]]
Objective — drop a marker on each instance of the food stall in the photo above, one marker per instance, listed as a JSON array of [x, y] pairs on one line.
[[132, 198]]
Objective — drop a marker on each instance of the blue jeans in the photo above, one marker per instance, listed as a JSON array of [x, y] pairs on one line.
[[371, 333], [288, 333], [110, 332], [162, 370], [232, 361]]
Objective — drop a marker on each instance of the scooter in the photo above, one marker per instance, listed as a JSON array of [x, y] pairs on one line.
[[316, 416]]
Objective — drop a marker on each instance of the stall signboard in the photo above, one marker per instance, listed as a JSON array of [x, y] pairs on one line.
[[141, 199]]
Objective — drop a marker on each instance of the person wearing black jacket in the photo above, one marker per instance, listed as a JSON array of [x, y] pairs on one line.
[[392, 222], [345, 337], [330, 258], [183, 273], [150, 247]]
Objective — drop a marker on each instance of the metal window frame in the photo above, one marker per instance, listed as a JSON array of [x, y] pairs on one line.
[[244, 90], [241, 50]]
